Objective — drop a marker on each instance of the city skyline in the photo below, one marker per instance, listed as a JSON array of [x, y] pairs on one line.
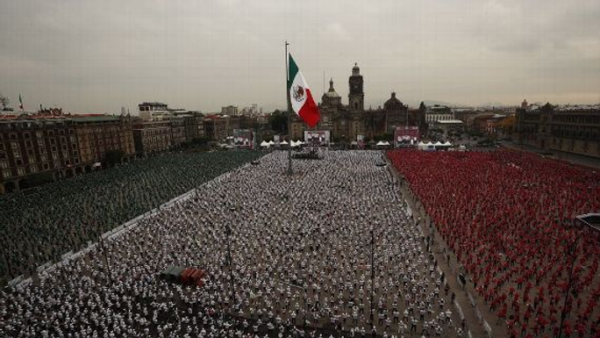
[[97, 57]]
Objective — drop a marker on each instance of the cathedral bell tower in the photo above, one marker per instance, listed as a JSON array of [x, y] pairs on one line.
[[356, 96]]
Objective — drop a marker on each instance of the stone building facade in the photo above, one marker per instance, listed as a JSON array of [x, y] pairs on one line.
[[570, 129], [97, 135], [152, 137], [56, 144]]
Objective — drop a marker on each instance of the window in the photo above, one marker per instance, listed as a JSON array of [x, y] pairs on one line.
[[46, 166], [61, 132], [33, 169], [39, 134], [51, 133], [43, 157], [16, 154], [14, 145], [6, 173], [21, 171], [76, 161], [53, 141], [53, 148], [4, 164]]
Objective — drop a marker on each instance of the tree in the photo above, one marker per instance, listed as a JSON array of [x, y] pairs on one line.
[[113, 157], [201, 141], [4, 101], [508, 124], [279, 121]]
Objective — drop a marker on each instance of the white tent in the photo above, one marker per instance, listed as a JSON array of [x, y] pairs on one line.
[[380, 143], [265, 144], [271, 143], [353, 143], [284, 143], [448, 144], [294, 144], [386, 143], [438, 143]]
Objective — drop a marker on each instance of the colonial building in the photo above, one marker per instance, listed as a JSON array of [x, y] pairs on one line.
[[177, 131], [99, 134], [346, 123], [572, 129], [193, 123], [152, 137], [438, 113], [57, 144], [215, 127]]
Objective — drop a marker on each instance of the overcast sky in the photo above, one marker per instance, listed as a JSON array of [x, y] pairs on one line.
[[96, 56]]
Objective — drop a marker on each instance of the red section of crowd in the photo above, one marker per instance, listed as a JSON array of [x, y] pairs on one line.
[[508, 217]]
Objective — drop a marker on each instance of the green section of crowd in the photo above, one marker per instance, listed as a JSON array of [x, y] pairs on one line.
[[40, 225]]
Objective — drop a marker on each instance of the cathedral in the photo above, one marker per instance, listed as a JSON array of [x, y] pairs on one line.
[[346, 122]]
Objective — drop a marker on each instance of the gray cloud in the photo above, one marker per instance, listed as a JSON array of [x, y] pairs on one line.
[[96, 56]]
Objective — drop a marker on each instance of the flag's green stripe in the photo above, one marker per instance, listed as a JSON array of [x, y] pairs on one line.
[[293, 71]]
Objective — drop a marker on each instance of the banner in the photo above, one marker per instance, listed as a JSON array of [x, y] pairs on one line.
[[317, 137], [242, 138], [406, 136]]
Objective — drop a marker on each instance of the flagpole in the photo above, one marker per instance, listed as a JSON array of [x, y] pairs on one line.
[[290, 172]]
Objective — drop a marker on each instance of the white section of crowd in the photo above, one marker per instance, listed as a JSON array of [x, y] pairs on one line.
[[301, 259]]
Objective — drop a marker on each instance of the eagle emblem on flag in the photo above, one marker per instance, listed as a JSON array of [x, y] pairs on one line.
[[298, 93]]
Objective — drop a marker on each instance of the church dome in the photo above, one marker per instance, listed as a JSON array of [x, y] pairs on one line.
[[331, 93], [393, 103]]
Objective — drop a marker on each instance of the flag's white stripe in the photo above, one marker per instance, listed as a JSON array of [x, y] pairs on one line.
[[298, 81]]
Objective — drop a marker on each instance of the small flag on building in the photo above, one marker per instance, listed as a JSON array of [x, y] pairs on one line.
[[20, 102], [301, 97]]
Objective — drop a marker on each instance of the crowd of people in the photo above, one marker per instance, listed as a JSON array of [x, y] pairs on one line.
[[331, 251], [510, 219], [41, 224]]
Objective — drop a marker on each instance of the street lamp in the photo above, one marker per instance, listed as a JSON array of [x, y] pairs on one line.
[[227, 234], [106, 261], [572, 249], [372, 244], [563, 313]]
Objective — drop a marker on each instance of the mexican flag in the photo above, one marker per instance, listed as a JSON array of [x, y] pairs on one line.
[[301, 98]]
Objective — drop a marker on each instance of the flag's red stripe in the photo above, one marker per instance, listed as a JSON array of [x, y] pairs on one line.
[[310, 111]]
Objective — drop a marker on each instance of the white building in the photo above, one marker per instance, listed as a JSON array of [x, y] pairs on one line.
[[151, 111]]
